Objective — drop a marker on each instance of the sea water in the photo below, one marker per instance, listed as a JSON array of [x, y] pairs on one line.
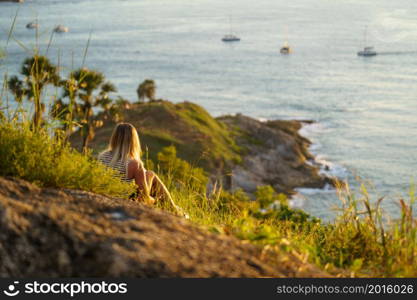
[[364, 108]]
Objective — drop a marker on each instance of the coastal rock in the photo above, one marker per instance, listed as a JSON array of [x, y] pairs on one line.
[[276, 155], [49, 232]]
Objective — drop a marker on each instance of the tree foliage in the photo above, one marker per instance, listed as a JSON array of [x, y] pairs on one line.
[[86, 91], [147, 89], [37, 72]]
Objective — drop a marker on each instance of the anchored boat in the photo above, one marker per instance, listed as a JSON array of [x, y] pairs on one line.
[[367, 50], [286, 49], [61, 29], [230, 37], [32, 25]]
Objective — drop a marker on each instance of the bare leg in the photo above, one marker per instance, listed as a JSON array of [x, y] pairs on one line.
[[159, 190]]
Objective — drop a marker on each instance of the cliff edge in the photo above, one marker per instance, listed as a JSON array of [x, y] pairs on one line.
[[69, 233]]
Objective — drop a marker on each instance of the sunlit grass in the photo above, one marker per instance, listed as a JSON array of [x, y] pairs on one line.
[[362, 241], [47, 161]]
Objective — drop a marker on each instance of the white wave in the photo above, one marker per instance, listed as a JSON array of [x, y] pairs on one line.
[[330, 169], [326, 167], [312, 191], [297, 201], [315, 147], [311, 129]]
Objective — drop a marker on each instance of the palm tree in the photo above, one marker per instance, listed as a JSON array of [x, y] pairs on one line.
[[147, 89], [87, 83], [16, 87], [38, 72]]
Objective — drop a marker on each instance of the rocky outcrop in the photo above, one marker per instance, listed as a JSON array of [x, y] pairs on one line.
[[69, 233], [239, 151], [276, 155]]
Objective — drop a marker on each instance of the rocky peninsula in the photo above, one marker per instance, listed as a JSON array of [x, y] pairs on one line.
[[239, 151], [276, 155]]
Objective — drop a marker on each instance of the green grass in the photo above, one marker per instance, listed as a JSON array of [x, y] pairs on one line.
[[198, 137], [220, 136], [47, 161], [357, 243]]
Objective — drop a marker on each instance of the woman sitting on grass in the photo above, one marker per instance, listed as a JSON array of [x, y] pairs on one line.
[[123, 155]]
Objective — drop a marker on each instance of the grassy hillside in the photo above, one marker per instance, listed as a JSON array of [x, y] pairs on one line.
[[238, 151], [199, 138]]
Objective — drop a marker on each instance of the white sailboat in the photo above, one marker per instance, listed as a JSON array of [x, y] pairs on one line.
[[367, 50], [286, 49], [61, 29], [32, 25], [230, 37]]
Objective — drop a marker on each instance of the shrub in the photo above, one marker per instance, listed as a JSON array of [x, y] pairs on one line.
[[36, 157], [180, 171]]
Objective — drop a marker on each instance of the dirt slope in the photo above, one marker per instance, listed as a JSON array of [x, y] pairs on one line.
[[68, 233]]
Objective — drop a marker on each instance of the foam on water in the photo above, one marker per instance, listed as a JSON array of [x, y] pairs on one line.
[[328, 168], [312, 129]]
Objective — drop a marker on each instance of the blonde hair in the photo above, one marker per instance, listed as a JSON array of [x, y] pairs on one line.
[[124, 143]]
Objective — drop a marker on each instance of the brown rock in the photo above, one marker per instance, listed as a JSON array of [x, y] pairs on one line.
[[277, 155], [67, 233]]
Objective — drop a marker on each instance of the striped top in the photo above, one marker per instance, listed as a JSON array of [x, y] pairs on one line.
[[120, 166]]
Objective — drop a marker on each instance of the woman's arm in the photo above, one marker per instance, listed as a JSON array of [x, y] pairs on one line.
[[136, 171]]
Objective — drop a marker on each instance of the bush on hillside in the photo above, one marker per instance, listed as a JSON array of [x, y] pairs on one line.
[[38, 158]]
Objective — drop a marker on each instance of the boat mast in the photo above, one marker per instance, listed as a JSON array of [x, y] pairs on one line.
[[286, 35], [365, 38]]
